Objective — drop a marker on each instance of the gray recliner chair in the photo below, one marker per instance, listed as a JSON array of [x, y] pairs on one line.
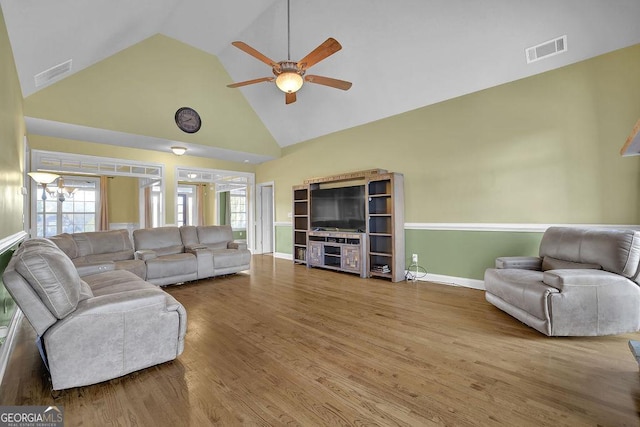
[[584, 283], [97, 327]]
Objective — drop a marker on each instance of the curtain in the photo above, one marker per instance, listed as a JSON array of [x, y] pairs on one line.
[[104, 203], [147, 207], [200, 203]]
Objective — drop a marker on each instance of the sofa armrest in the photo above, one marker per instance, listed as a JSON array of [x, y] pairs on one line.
[[237, 245], [565, 280], [145, 254], [204, 259], [520, 262], [95, 268], [194, 247]]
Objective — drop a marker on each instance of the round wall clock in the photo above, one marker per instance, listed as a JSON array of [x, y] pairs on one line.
[[188, 120]]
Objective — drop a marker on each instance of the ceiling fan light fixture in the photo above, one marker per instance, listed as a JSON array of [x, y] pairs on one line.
[[289, 82]]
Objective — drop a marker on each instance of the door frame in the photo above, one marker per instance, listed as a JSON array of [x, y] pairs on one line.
[[261, 224]]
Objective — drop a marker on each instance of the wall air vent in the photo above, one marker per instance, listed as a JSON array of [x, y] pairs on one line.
[[52, 73], [546, 49]]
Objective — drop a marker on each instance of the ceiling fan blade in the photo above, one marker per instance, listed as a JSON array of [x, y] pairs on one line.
[[328, 81], [250, 82], [289, 98], [251, 51], [326, 49]]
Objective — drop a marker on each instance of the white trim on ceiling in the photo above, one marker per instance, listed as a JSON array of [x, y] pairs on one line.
[[55, 129], [54, 161]]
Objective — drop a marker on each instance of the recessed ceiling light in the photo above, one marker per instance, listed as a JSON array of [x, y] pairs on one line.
[[178, 151]]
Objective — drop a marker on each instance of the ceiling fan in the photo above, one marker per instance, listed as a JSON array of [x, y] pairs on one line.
[[290, 75]]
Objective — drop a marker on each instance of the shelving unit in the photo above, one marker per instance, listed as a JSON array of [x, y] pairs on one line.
[[385, 226], [300, 223], [380, 251]]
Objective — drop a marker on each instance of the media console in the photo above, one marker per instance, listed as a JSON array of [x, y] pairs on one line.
[[378, 251], [343, 251]]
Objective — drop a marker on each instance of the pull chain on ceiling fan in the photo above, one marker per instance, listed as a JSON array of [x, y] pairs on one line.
[[290, 75]]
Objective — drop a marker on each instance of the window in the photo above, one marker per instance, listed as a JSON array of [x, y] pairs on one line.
[[238, 202], [72, 211], [186, 205]]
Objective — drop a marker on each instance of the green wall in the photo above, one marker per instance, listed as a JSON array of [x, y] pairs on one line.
[[12, 131], [541, 150], [466, 253]]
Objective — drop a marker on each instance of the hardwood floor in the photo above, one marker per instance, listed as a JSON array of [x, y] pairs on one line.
[[297, 346]]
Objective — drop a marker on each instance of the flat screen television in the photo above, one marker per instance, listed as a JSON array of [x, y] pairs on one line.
[[340, 208]]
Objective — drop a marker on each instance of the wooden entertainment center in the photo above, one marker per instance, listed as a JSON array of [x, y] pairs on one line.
[[376, 251]]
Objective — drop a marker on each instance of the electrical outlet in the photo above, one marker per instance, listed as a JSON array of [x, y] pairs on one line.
[[414, 258]]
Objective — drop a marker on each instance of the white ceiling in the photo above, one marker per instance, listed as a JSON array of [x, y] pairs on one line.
[[400, 55]]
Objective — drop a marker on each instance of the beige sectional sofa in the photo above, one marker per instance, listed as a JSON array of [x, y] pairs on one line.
[[95, 328], [162, 256], [584, 283]]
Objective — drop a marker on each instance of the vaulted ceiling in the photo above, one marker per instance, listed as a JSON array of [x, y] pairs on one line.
[[400, 55]]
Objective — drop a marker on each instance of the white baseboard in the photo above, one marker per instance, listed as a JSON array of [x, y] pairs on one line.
[[283, 255], [451, 280], [429, 277]]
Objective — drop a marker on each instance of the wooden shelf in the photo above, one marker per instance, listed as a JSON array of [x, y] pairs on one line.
[[300, 223], [385, 226]]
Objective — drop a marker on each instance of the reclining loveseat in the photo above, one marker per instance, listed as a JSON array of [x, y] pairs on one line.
[[97, 327], [584, 283]]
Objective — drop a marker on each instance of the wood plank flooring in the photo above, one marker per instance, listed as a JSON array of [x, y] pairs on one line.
[[287, 345]]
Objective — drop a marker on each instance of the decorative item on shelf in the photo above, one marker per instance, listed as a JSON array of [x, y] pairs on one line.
[[43, 178], [178, 151]]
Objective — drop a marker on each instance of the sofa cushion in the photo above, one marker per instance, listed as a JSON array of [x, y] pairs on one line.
[[550, 263], [109, 256], [215, 236], [103, 242], [223, 258], [189, 235], [52, 276], [162, 240], [171, 265], [66, 243], [617, 251], [117, 281]]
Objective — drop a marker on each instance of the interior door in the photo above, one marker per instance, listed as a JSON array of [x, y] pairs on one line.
[[265, 235]]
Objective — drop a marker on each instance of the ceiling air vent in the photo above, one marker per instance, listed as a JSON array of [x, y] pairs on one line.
[[53, 72], [546, 49]]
